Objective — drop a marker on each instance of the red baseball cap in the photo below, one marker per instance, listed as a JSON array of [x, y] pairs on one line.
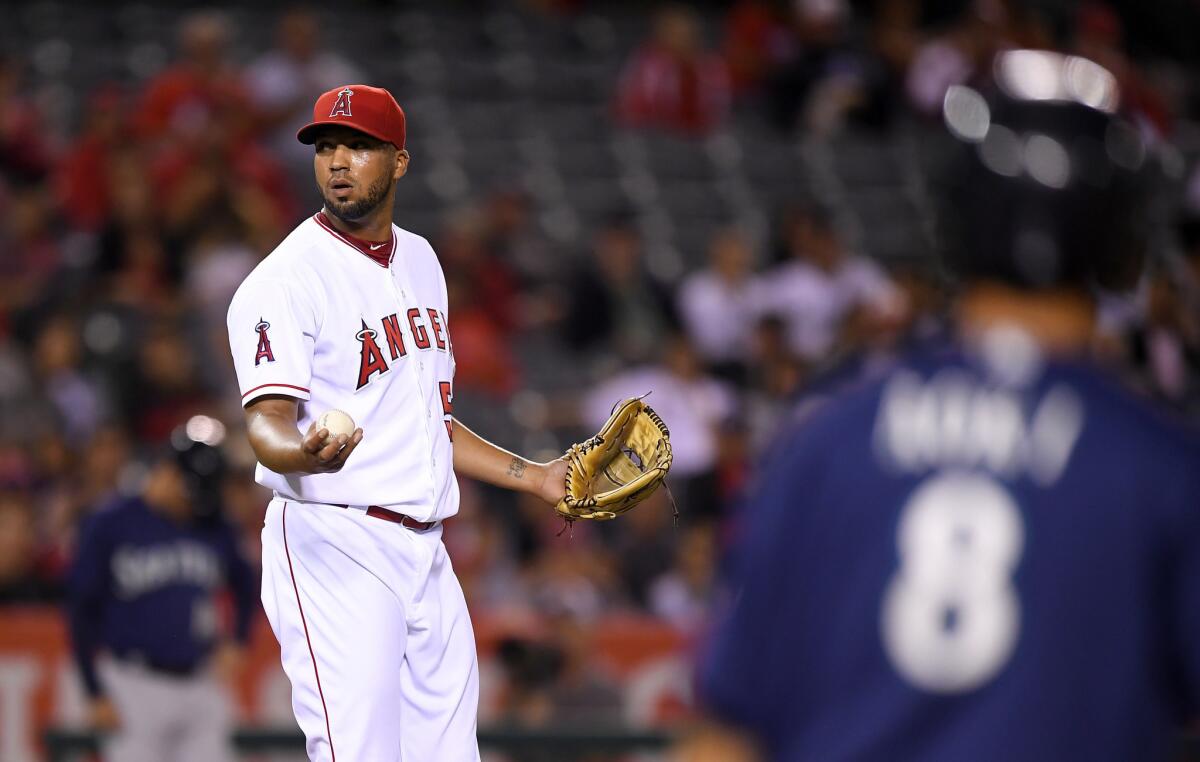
[[367, 109]]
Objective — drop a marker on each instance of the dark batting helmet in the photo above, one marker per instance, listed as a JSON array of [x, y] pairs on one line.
[[194, 448], [1048, 185]]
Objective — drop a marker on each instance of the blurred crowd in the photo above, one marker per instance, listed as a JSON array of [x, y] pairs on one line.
[[123, 237]]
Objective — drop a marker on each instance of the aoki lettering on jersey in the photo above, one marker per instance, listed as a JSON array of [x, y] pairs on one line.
[[953, 420], [371, 358]]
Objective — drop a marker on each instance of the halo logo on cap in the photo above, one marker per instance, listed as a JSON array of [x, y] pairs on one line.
[[341, 107], [370, 110]]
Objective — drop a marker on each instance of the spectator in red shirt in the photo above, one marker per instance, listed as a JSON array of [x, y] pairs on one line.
[[25, 156], [758, 38], [30, 252], [200, 120], [202, 88], [484, 307], [83, 178], [191, 182], [672, 82]]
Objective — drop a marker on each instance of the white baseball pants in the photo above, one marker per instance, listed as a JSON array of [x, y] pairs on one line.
[[375, 636]]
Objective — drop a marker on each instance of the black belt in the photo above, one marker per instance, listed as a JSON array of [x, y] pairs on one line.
[[377, 512], [162, 668]]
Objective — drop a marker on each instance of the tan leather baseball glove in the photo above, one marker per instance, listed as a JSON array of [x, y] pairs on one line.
[[619, 467]]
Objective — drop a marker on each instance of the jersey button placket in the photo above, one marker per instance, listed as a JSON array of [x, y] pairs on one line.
[[416, 369]]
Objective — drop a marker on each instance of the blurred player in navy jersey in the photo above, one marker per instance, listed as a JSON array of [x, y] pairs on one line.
[[991, 552], [143, 590]]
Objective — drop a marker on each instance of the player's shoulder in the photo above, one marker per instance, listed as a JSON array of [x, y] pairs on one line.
[[412, 243], [305, 243], [1136, 423], [845, 391], [1139, 445], [830, 414], [118, 506], [114, 512], [415, 250]]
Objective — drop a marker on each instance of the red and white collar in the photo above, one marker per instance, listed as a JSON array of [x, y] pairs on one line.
[[379, 253]]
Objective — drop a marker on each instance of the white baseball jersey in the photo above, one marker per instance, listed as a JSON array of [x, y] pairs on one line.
[[342, 325]]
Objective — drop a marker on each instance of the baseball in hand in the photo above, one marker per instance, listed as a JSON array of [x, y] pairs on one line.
[[336, 422]]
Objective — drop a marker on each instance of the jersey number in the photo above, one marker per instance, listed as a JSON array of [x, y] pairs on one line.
[[447, 407], [951, 617]]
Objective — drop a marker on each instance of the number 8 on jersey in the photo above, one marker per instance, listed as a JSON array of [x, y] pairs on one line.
[[951, 617]]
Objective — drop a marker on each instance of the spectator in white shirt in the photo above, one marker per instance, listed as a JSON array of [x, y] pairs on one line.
[[718, 305], [691, 403], [287, 79], [821, 285]]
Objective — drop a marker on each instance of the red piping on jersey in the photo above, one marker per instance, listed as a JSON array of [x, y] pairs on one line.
[[264, 386], [372, 249], [321, 693]]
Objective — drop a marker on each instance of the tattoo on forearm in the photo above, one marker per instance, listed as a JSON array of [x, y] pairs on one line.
[[516, 468]]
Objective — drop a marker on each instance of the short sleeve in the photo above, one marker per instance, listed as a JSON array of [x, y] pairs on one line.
[[272, 335]]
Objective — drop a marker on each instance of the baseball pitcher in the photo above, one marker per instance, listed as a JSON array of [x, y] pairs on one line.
[[350, 313]]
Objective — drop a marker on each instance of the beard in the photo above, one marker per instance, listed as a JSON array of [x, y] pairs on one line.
[[353, 211]]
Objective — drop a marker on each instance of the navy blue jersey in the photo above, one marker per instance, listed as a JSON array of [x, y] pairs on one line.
[[954, 563], [144, 587]]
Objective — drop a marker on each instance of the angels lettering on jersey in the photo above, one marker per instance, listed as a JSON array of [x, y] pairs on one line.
[[426, 326]]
